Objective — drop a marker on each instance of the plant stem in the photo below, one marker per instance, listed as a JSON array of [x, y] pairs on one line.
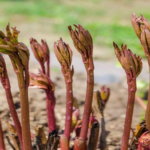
[[48, 70], [80, 144], [2, 145], [50, 104], [14, 115], [6, 85], [69, 104], [129, 112], [42, 67], [12, 108], [65, 138], [64, 143], [24, 111], [147, 116], [88, 104]]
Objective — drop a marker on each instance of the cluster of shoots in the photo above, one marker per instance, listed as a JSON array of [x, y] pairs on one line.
[[89, 129]]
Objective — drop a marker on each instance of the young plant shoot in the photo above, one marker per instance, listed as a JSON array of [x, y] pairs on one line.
[[43, 81], [6, 84], [19, 55], [142, 30], [132, 66], [83, 43], [64, 56]]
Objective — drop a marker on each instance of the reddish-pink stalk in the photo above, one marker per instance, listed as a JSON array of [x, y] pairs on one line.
[[48, 67], [19, 55], [64, 56], [42, 54], [84, 44], [50, 101], [42, 67], [2, 144], [88, 104], [42, 81], [69, 104], [129, 112], [132, 65], [24, 111], [145, 45], [142, 30], [14, 115], [50, 104], [23, 83], [80, 143], [6, 84], [64, 141], [22, 73]]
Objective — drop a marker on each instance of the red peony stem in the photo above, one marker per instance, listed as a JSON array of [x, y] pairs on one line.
[[48, 67], [65, 138], [129, 112], [88, 104], [14, 115], [7, 87], [24, 111], [69, 105], [42, 67], [64, 56], [50, 104]]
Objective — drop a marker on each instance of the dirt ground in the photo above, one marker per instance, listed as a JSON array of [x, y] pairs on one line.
[[114, 112]]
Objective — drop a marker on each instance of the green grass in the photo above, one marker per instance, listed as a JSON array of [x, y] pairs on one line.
[[106, 20]]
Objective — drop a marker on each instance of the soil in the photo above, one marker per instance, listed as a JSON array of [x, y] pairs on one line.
[[114, 111]]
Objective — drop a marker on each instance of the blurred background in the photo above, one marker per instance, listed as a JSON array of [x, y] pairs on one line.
[[107, 21]]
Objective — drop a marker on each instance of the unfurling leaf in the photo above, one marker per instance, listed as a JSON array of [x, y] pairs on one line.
[[129, 61], [82, 40], [40, 51], [63, 54], [41, 81]]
